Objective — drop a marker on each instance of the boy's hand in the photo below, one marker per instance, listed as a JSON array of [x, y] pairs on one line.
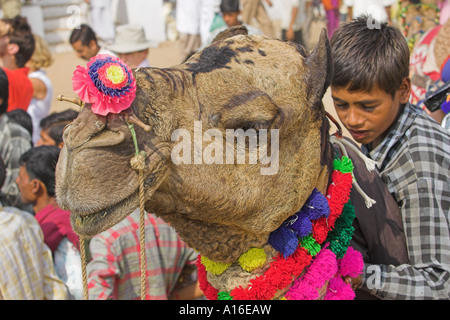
[[269, 3], [290, 35], [354, 282]]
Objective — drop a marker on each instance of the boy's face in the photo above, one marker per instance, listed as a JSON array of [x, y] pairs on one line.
[[85, 52], [369, 115], [45, 139], [26, 186], [231, 18]]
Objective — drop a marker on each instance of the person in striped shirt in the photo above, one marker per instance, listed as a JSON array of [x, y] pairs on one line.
[[114, 268], [371, 90], [27, 271]]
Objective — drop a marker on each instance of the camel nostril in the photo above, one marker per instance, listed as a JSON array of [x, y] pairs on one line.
[[83, 128]]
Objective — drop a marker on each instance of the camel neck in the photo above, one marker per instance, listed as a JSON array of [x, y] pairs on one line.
[[276, 269]]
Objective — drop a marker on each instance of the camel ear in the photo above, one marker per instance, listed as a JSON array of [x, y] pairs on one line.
[[231, 32], [320, 66]]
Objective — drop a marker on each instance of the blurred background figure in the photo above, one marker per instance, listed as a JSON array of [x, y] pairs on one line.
[[114, 270], [27, 271], [379, 9], [230, 10], [11, 8], [209, 18], [131, 45], [42, 85], [52, 127], [293, 18], [16, 48], [332, 10], [84, 41], [188, 26], [254, 11], [101, 19], [15, 139]]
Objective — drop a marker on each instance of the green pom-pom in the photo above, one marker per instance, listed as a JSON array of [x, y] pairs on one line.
[[344, 165], [311, 245], [224, 296], [339, 238]]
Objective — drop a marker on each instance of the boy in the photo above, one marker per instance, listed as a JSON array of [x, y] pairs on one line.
[[371, 90], [36, 181], [230, 13], [52, 128]]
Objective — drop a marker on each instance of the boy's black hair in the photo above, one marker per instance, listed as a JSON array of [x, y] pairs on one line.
[[229, 6], [83, 33], [21, 35], [40, 163], [22, 118], [55, 123], [4, 91], [367, 54]]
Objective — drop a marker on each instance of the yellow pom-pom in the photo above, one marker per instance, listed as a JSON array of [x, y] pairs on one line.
[[252, 259], [215, 268]]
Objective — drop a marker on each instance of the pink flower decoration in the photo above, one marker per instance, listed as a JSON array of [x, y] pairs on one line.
[[107, 83]]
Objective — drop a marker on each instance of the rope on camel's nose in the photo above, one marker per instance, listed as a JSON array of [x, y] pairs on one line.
[[83, 268], [138, 164]]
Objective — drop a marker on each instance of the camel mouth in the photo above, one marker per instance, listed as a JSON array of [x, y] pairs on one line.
[[93, 223]]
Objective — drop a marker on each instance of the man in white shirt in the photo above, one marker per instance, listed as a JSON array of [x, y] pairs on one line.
[[101, 19], [188, 20], [131, 45], [378, 9]]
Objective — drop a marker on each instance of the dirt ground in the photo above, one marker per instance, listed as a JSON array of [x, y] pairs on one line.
[[166, 55]]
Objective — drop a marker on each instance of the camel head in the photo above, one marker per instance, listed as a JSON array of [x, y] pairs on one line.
[[263, 91]]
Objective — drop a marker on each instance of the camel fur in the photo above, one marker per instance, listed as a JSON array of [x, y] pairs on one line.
[[220, 210]]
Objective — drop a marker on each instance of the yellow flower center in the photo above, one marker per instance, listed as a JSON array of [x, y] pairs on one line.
[[115, 74]]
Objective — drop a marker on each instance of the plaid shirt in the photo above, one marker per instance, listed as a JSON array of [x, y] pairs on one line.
[[414, 162], [114, 271], [26, 265], [14, 141]]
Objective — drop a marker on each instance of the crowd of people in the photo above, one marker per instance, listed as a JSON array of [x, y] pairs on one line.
[[371, 90]]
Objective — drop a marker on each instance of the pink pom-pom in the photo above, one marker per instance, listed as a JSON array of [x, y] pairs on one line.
[[339, 290], [351, 264]]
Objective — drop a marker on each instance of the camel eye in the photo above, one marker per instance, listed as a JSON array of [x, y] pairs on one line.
[[255, 126]]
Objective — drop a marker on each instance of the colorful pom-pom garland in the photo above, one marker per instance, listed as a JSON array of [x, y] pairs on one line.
[[313, 247], [107, 83]]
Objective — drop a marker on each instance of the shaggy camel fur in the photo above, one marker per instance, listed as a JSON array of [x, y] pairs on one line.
[[221, 210]]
